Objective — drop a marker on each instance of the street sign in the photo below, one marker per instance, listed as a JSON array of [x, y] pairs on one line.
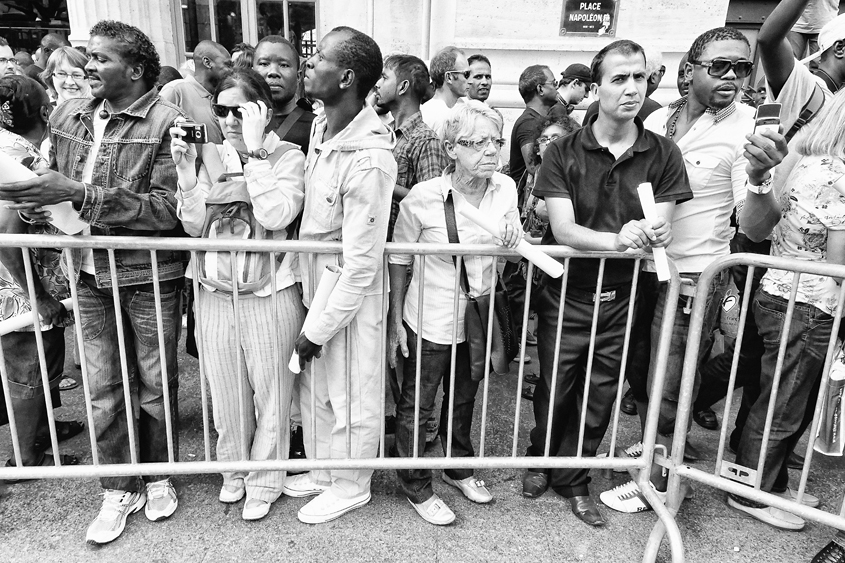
[[589, 17]]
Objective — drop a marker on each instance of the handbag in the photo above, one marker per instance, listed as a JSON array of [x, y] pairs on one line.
[[505, 346], [829, 440]]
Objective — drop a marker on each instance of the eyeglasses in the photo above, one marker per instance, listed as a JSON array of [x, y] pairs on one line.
[[77, 76], [481, 144], [553, 84], [550, 139], [4, 60], [720, 67], [465, 73], [223, 112]]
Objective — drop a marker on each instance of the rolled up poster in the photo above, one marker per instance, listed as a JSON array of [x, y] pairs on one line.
[[62, 215], [661, 263], [526, 250], [318, 305], [16, 323]]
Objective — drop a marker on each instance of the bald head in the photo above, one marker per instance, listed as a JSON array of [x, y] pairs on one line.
[[208, 49], [211, 64]]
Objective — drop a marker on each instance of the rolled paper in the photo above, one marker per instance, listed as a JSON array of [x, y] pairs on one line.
[[62, 215], [661, 263], [526, 250], [318, 304], [25, 320]]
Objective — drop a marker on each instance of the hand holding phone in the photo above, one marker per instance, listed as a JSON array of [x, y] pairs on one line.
[[767, 118]]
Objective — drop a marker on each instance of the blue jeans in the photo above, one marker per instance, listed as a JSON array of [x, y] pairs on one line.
[[99, 327], [806, 346], [678, 345], [436, 364]]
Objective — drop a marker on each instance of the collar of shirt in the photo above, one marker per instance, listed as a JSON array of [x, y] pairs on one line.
[[718, 114], [590, 143], [190, 79], [446, 186], [139, 107], [410, 126]]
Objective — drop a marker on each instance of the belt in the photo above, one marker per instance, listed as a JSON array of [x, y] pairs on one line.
[[604, 296], [165, 286]]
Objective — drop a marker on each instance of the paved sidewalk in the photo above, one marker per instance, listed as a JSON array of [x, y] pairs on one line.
[[46, 521]]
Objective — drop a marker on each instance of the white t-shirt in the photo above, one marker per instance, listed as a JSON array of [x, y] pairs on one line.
[[88, 174], [816, 15], [435, 112]]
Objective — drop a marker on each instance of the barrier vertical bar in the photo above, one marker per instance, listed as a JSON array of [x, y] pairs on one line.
[[198, 323], [312, 265], [236, 312], [418, 358], [347, 335], [278, 363], [590, 355], [385, 307], [124, 362], [165, 377], [558, 332], [83, 362], [529, 275], [455, 308], [490, 315]]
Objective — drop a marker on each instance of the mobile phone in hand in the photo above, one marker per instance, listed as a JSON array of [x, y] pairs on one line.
[[767, 118], [195, 132]]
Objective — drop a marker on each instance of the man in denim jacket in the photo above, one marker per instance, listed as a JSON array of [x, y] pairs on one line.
[[110, 158]]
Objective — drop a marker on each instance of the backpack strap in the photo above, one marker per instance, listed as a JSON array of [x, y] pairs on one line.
[[808, 112], [287, 124]]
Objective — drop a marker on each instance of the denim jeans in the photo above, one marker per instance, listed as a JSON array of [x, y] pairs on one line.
[[435, 365], [678, 345], [806, 347], [100, 336], [569, 390]]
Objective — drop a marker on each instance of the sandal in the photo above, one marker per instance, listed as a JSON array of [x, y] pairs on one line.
[[68, 383], [46, 460], [65, 430]]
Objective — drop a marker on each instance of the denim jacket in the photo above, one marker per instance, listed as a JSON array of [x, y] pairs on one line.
[[132, 190]]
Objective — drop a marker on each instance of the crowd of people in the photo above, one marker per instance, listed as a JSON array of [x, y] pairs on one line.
[[348, 146]]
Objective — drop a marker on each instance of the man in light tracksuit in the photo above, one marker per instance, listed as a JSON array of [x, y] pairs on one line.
[[349, 178]]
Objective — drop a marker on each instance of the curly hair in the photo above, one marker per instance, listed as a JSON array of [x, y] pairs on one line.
[[136, 47], [361, 54], [563, 121], [21, 98], [716, 34]]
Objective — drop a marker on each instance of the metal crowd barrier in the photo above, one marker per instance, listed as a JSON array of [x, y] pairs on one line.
[[640, 467], [725, 476]]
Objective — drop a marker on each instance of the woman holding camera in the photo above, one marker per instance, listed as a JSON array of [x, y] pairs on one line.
[[248, 350]]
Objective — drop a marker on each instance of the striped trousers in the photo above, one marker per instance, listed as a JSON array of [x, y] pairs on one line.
[[251, 385]]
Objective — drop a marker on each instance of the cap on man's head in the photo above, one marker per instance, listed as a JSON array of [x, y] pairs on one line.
[[578, 71], [832, 32]]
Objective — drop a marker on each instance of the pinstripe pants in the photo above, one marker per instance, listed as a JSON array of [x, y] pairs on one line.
[[253, 423]]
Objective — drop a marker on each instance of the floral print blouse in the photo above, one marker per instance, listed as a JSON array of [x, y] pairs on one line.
[[811, 205]]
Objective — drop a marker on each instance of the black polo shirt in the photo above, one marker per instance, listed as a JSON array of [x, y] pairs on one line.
[[300, 132], [603, 190]]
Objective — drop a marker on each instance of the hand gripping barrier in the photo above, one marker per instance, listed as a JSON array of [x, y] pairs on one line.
[[729, 477], [485, 455]]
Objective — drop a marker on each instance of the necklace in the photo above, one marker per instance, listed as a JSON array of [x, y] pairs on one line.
[[670, 131], [104, 113]]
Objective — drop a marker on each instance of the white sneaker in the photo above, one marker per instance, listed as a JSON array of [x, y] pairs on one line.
[[629, 498], [231, 493], [471, 487], [770, 515], [255, 509], [434, 511], [807, 500], [631, 452], [161, 500], [328, 506], [110, 522], [301, 486]]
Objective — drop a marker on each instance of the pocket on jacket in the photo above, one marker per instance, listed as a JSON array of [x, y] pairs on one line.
[[133, 159]]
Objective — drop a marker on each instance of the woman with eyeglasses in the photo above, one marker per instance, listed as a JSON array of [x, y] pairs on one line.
[[472, 138], [65, 75], [270, 173]]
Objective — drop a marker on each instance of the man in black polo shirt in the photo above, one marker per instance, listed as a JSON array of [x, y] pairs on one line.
[[537, 86], [589, 181]]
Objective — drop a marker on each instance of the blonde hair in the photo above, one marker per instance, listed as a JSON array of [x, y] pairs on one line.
[[59, 57], [826, 133], [461, 121]]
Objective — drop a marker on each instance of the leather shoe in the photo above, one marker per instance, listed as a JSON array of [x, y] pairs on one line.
[[531, 378], [534, 484], [706, 418], [629, 405], [584, 507]]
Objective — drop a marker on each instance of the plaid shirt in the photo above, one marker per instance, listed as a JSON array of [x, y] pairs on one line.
[[419, 155]]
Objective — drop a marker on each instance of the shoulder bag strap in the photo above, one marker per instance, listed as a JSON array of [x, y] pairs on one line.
[[808, 112], [452, 230], [286, 125]]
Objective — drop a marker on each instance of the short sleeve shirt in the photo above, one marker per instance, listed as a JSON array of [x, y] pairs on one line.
[[523, 132], [603, 189], [812, 205]]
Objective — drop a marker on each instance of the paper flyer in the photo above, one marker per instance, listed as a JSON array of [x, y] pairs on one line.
[[661, 263]]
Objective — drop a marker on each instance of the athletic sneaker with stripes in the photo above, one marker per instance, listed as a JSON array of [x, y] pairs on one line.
[[629, 498], [110, 522]]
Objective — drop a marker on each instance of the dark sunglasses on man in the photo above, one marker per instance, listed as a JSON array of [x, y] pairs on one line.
[[466, 73], [720, 67]]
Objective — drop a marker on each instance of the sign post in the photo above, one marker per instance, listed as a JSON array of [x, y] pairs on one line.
[[589, 17]]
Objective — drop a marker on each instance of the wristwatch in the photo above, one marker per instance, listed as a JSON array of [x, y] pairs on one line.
[[764, 188], [260, 154]]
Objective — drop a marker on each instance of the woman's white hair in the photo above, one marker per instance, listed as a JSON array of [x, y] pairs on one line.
[[461, 121]]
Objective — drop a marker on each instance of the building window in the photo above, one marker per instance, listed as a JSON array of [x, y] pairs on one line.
[[295, 20], [217, 20]]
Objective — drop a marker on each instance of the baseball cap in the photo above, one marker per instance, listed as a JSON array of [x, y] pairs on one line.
[[579, 71], [832, 32]]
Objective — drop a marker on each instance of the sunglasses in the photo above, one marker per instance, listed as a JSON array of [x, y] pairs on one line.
[[481, 144], [223, 112], [720, 67], [465, 73]]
